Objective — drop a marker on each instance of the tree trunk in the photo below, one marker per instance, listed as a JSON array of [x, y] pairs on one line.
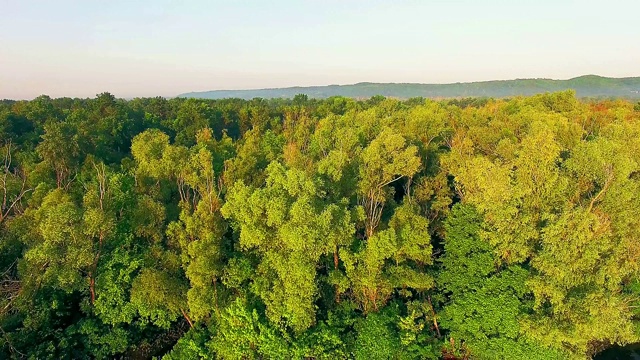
[[186, 317], [92, 287]]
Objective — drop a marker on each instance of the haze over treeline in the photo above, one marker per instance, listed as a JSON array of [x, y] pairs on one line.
[[305, 228]]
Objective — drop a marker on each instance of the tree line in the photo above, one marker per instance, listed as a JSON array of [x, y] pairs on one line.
[[319, 229]]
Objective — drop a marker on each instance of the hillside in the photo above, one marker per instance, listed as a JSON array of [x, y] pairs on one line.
[[585, 86]]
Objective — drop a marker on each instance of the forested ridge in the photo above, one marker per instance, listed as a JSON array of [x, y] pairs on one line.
[[319, 229], [592, 86]]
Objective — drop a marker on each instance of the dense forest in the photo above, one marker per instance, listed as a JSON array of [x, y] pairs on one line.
[[319, 229], [585, 86]]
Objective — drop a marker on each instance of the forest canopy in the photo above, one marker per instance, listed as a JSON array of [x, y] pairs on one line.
[[319, 229]]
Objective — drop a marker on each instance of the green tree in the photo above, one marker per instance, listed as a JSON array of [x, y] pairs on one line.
[[287, 224], [60, 151], [487, 301]]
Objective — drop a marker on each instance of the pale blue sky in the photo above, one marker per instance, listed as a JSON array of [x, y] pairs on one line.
[[164, 47]]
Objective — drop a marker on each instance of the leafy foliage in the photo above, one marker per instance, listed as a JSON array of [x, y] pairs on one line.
[[320, 229]]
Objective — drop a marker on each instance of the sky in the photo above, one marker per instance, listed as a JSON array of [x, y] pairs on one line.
[[135, 48]]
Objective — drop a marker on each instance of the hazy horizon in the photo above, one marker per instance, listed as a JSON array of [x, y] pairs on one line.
[[308, 86], [164, 48]]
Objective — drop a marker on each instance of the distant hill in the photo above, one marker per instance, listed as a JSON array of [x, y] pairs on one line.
[[585, 86]]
